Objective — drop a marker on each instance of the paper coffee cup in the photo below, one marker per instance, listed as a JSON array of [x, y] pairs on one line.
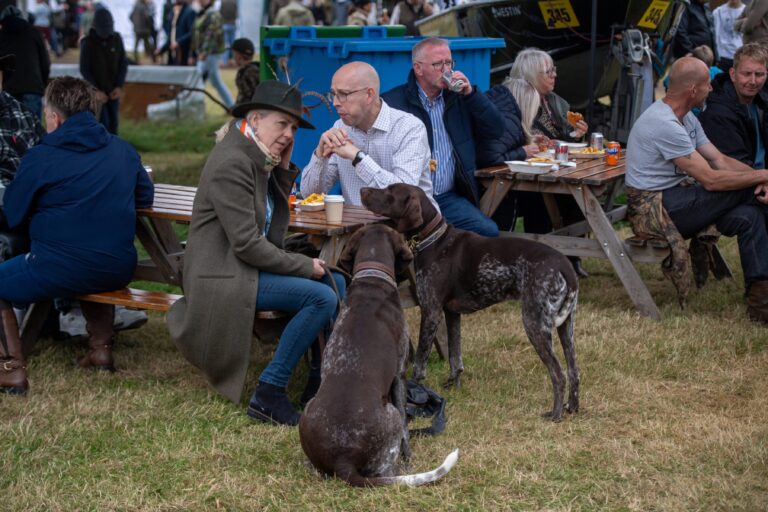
[[334, 207]]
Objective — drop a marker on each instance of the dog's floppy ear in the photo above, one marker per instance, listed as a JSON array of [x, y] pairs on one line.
[[411, 217], [403, 255], [347, 259]]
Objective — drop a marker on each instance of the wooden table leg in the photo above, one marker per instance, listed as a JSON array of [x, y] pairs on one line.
[[33, 323], [332, 247], [494, 195], [168, 268], [614, 250]]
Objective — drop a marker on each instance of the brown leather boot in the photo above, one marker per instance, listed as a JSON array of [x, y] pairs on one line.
[[99, 320], [757, 301], [13, 368]]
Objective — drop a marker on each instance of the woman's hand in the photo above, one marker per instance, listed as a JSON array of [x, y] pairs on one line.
[[581, 129], [531, 150], [317, 268]]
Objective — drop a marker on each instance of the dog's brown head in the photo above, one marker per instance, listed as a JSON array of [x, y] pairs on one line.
[[376, 243], [407, 205]]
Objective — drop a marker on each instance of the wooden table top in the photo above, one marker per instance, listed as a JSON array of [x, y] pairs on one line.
[[174, 202], [593, 172]]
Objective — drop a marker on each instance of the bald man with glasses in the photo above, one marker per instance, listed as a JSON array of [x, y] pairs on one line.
[[371, 145], [455, 120]]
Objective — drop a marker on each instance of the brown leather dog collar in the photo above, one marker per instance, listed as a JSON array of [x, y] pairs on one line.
[[427, 236]]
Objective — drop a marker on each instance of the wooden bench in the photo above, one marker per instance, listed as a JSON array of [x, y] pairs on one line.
[[156, 301], [659, 247]]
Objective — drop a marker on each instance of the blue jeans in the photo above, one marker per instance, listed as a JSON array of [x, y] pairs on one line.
[[229, 38], [734, 213], [33, 102], [209, 68], [457, 210], [314, 306]]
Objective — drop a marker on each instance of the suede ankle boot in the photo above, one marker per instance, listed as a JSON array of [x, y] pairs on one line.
[[757, 302], [270, 404], [13, 368], [99, 320], [310, 390]]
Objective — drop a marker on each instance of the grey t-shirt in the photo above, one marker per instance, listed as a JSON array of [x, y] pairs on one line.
[[656, 138]]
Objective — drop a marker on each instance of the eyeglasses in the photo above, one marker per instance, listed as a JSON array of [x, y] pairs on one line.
[[551, 71], [342, 96], [439, 65]]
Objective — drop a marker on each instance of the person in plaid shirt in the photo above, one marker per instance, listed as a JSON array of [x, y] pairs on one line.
[[20, 129]]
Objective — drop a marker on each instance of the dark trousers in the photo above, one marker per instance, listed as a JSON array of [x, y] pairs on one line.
[[734, 213], [109, 113]]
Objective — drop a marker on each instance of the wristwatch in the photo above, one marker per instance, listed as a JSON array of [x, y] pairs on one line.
[[358, 158]]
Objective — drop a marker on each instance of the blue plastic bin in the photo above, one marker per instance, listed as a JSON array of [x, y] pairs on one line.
[[315, 60]]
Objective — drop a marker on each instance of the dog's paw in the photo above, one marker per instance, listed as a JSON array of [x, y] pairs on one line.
[[453, 382], [572, 408], [554, 416]]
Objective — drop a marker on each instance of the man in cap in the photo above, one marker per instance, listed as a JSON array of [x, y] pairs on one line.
[[235, 261], [247, 77]]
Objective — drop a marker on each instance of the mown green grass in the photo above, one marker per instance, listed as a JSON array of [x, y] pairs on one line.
[[672, 414]]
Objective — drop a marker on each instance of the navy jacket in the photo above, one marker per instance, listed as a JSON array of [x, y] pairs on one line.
[[508, 143], [468, 119], [79, 189], [697, 27], [184, 28], [727, 123]]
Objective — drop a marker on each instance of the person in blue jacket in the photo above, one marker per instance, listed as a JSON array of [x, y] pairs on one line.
[[178, 24], [455, 121], [77, 192]]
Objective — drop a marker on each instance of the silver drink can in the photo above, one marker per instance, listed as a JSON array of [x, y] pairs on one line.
[[561, 151], [596, 141]]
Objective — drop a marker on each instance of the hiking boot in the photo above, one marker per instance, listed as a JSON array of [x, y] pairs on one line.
[[310, 390], [13, 368], [99, 323], [757, 302], [270, 404]]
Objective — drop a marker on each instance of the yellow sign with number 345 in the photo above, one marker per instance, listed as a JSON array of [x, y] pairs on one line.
[[653, 14], [558, 14]]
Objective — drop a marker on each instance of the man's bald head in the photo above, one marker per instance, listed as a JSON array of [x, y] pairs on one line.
[[686, 72], [358, 75]]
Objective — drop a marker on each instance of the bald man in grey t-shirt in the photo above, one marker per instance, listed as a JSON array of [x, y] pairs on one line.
[[667, 144]]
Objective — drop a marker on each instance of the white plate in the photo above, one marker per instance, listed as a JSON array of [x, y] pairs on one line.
[[530, 167], [574, 144], [311, 207]]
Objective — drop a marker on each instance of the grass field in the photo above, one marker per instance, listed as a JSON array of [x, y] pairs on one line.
[[672, 413]]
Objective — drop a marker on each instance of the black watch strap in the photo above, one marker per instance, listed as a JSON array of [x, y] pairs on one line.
[[358, 158]]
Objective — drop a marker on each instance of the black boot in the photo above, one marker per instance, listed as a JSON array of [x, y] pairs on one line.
[[310, 390], [270, 404]]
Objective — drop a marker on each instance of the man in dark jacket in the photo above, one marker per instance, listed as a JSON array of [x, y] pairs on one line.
[[77, 191], [735, 117], [104, 64], [178, 25], [454, 121], [18, 37], [697, 27]]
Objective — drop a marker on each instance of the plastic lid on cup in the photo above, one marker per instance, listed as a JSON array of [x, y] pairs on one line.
[[334, 199]]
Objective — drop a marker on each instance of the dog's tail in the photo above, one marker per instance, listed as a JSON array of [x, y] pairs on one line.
[[415, 480], [567, 307]]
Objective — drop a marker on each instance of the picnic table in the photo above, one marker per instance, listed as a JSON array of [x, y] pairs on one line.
[[594, 185], [173, 203]]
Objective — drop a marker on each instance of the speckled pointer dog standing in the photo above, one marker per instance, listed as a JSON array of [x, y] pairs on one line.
[[459, 272], [356, 427]]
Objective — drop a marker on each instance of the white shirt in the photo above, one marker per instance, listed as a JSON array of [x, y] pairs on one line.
[[397, 151], [727, 39]]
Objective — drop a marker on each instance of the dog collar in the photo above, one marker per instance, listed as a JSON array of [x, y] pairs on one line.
[[374, 270], [418, 244]]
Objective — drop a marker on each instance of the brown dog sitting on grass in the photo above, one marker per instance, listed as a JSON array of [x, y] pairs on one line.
[[459, 272], [356, 427]]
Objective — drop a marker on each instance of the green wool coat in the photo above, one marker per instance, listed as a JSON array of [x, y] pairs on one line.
[[213, 324]]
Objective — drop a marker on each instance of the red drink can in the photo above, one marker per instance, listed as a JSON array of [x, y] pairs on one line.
[[612, 153], [561, 151]]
